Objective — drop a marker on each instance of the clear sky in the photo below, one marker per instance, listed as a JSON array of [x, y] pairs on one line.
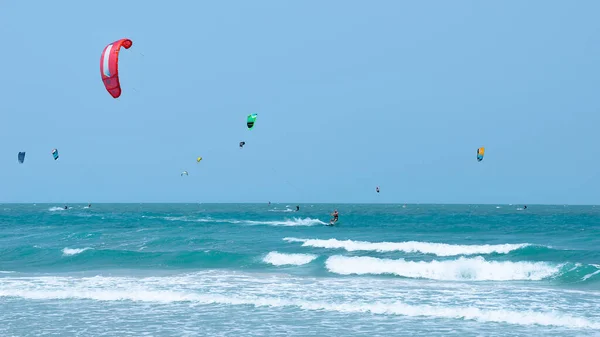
[[349, 95]]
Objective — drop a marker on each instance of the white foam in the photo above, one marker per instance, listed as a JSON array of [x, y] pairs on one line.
[[486, 302], [282, 210], [462, 269], [394, 308], [281, 259], [74, 251], [286, 222], [55, 209], [292, 222], [439, 249], [590, 275]]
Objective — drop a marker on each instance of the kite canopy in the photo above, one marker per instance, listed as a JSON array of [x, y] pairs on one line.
[[109, 66], [21, 157], [198, 159], [242, 144], [251, 120], [55, 154], [184, 173], [377, 189], [480, 152]]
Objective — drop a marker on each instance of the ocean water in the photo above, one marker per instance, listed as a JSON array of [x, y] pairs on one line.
[[266, 270]]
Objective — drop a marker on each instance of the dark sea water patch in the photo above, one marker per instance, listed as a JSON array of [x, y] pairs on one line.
[[87, 258]]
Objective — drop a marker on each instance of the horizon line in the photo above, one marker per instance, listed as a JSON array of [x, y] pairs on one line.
[[291, 203]]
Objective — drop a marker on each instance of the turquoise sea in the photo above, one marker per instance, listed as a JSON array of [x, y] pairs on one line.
[[266, 270]]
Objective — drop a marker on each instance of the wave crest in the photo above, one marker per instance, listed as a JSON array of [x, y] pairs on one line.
[[74, 251], [281, 259], [439, 249], [462, 269]]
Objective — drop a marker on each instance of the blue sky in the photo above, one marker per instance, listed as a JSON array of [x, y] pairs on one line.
[[349, 95]]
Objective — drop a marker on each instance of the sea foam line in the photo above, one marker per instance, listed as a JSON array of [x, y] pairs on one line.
[[281, 259], [395, 308], [439, 249], [462, 269], [293, 222], [74, 251], [285, 222], [586, 277]]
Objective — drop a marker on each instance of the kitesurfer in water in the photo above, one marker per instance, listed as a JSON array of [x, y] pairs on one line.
[[525, 207], [297, 208], [335, 216], [66, 207]]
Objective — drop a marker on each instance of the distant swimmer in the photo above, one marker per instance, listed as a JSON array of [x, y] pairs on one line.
[[297, 208]]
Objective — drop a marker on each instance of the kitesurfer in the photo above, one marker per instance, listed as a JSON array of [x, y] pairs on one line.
[[297, 208], [66, 207], [335, 216], [525, 207]]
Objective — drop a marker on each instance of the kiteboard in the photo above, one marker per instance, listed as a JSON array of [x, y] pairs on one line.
[[331, 223]]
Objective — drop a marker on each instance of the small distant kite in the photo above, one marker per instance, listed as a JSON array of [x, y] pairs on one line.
[[21, 157], [377, 189], [184, 173], [480, 152], [109, 66], [198, 159], [55, 154], [251, 120], [242, 144]]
